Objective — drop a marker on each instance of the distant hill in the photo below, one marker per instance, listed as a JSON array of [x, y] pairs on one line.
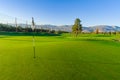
[[102, 28]]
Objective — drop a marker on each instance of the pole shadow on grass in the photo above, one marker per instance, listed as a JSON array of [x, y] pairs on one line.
[[77, 61]]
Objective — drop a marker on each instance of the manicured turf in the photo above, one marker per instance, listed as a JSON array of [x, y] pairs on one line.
[[59, 58]]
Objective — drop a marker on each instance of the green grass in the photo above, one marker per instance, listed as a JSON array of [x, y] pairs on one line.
[[60, 58]]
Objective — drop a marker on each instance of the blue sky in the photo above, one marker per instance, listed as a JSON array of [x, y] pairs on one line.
[[60, 12]]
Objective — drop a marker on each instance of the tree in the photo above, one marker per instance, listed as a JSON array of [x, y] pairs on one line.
[[77, 27], [97, 31]]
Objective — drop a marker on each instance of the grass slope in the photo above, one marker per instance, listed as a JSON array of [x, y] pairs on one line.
[[59, 58]]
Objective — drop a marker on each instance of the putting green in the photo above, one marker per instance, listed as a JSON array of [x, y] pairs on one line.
[[58, 58]]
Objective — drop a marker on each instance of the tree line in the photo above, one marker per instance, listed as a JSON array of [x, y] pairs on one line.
[[10, 28], [77, 29]]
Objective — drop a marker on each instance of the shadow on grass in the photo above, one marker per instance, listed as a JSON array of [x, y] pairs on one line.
[[77, 61]]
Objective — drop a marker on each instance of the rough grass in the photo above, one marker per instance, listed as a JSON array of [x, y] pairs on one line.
[[59, 58]]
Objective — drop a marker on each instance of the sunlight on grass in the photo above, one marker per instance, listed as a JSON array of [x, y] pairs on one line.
[[59, 58]]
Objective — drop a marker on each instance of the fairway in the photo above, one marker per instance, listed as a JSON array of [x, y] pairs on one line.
[[58, 58]]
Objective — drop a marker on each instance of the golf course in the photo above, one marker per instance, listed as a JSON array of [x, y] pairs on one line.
[[62, 57]]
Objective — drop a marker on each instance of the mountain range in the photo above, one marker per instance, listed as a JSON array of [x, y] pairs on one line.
[[102, 28]]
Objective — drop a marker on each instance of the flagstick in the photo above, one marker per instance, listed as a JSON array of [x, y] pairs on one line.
[[34, 44], [33, 29]]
